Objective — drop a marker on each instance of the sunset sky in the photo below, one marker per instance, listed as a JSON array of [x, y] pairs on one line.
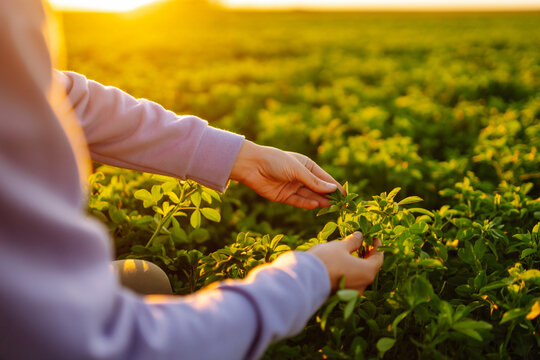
[[126, 5]]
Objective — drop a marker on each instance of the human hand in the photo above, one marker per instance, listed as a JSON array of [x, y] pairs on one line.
[[359, 272], [281, 176]]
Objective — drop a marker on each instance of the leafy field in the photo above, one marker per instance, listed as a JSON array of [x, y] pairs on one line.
[[444, 106]]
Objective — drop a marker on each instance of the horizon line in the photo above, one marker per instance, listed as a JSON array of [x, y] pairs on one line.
[[464, 9]]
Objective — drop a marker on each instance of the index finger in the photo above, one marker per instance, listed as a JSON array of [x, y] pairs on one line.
[[320, 173]]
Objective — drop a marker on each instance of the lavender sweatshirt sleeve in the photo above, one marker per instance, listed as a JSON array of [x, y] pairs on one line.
[[58, 297], [141, 135]]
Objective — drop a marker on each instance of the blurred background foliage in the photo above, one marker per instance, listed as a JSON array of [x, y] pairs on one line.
[[379, 99]]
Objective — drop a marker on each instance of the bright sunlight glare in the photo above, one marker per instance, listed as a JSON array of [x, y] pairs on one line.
[[386, 4], [127, 5], [99, 5]]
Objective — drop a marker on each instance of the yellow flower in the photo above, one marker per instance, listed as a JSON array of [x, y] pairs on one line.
[[535, 311]]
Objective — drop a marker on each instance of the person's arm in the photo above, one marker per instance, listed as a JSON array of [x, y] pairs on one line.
[[141, 135]]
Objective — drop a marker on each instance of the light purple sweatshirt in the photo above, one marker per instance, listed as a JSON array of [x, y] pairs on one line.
[[58, 297]]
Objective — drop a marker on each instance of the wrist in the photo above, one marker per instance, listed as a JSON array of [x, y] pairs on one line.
[[246, 161], [333, 280]]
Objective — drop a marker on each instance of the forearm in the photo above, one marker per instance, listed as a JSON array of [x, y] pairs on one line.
[[239, 319], [284, 296], [141, 135]]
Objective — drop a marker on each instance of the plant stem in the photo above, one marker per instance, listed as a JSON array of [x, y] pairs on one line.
[[166, 218]]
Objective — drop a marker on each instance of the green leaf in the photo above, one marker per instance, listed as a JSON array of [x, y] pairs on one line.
[[98, 205], [206, 197], [199, 236], [472, 324], [342, 282], [213, 194], [493, 286], [117, 216], [145, 196], [211, 214], [393, 193], [328, 229], [157, 193], [384, 344], [480, 280], [431, 263], [419, 228], [195, 219], [196, 199], [173, 197], [347, 312], [139, 249], [347, 294], [422, 289], [364, 225], [480, 248], [467, 254], [336, 196], [324, 317], [331, 209], [397, 320], [166, 207], [531, 276], [513, 314], [471, 333], [527, 252], [178, 234], [447, 192], [168, 186], [421, 211], [410, 200], [275, 241]]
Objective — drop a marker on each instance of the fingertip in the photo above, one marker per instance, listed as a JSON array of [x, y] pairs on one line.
[[301, 202], [315, 183], [354, 241], [308, 204], [329, 187]]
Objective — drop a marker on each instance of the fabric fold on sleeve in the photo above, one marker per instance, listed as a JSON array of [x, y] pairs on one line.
[[284, 295], [212, 162]]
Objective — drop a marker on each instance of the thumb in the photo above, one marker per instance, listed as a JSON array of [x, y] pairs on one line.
[[313, 182], [353, 241]]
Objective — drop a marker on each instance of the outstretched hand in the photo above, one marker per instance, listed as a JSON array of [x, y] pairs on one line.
[[281, 176], [359, 272]]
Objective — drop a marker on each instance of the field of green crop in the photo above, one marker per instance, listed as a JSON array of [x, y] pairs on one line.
[[444, 106]]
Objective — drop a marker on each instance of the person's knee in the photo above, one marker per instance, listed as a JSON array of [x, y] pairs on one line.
[[142, 277]]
